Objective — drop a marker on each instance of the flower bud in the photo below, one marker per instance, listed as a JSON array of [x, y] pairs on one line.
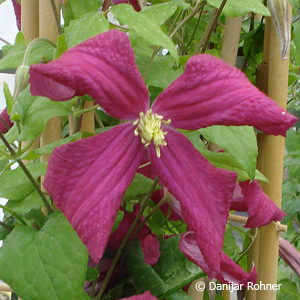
[[281, 17], [21, 81]]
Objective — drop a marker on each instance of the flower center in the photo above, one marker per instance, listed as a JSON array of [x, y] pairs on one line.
[[149, 129]]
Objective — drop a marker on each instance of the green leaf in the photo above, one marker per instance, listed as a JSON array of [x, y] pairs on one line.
[[1, 1], [91, 274], [51, 263], [260, 176], [23, 206], [235, 8], [80, 7], [139, 186], [160, 13], [143, 275], [239, 144], [47, 149], [15, 185], [288, 287], [173, 267], [35, 111], [144, 27], [42, 51], [8, 98], [85, 27], [62, 46], [161, 64]]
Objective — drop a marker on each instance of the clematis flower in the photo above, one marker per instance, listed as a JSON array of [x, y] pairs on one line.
[[87, 179], [145, 296], [17, 8], [5, 122]]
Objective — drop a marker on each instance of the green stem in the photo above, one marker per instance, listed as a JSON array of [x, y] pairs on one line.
[[56, 16], [13, 214], [95, 281], [152, 212], [30, 46], [183, 22], [252, 237], [126, 238], [4, 41], [197, 24], [82, 111], [27, 173], [98, 120], [214, 23], [8, 227]]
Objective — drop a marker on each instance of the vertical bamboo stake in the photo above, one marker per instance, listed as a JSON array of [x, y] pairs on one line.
[[48, 29], [30, 30], [88, 119], [230, 46], [272, 152], [231, 40], [30, 19], [262, 75]]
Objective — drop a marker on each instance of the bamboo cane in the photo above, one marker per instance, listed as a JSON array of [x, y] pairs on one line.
[[30, 19], [48, 29], [30, 30], [272, 152], [262, 75], [88, 119], [231, 40]]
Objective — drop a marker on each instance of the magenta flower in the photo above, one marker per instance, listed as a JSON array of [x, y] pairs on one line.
[[17, 8], [145, 296], [87, 179], [5, 122]]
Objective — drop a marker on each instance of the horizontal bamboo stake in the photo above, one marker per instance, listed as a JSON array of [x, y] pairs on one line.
[[5, 288], [278, 226]]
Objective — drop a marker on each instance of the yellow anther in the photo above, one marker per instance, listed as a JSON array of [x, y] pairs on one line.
[[148, 127]]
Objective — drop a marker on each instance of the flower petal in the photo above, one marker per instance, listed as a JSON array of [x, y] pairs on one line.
[[103, 67], [5, 122], [17, 8], [204, 192], [145, 296], [230, 272], [260, 208], [88, 178], [211, 92]]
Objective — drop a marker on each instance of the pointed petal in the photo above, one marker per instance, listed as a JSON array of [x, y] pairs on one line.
[[88, 178], [204, 192], [5, 122], [145, 296], [211, 92], [230, 272], [290, 255], [17, 8], [103, 67], [260, 208]]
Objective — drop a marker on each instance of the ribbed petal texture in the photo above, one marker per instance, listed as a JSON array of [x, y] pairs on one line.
[[204, 192], [102, 67], [87, 180], [211, 92]]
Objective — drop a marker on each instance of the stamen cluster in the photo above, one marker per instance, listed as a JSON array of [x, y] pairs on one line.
[[148, 127]]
